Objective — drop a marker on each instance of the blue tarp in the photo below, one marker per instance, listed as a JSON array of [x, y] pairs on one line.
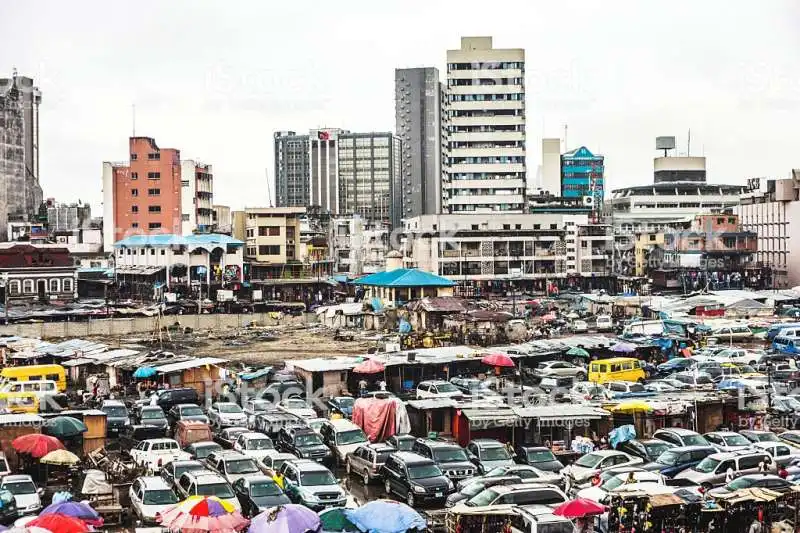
[[255, 374], [621, 434], [384, 516], [376, 304], [404, 326]]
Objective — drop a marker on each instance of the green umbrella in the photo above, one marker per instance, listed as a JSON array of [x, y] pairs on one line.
[[335, 520], [577, 352], [63, 427]]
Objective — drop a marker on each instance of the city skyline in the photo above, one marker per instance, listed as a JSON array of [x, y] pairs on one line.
[[221, 93]]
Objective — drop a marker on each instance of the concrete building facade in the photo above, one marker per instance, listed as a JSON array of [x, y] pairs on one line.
[[272, 234], [292, 160], [582, 176], [551, 166], [20, 190], [358, 246], [222, 220], [486, 128], [418, 123], [197, 197]]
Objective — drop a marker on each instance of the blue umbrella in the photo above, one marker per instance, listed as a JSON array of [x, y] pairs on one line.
[[145, 372], [623, 347], [386, 516]]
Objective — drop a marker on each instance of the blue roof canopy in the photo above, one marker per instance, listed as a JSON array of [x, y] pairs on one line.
[[164, 240], [405, 277]]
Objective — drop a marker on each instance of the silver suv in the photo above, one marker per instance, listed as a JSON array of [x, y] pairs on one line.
[[711, 471]]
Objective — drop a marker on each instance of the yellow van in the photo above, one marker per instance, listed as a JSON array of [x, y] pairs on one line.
[[616, 369], [19, 402], [34, 373]]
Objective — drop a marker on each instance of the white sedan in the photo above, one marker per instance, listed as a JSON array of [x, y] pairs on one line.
[[598, 494], [298, 407]]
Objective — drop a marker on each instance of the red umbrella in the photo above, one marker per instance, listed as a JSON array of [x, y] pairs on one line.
[[498, 359], [59, 523], [36, 444], [370, 366], [579, 508]]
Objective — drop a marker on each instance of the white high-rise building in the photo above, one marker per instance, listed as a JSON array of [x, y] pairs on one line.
[[486, 137]]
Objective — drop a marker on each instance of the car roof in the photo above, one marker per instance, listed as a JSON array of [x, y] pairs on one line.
[[434, 382], [608, 453], [434, 443], [534, 448], [342, 424], [410, 457], [723, 433], [309, 465], [379, 447], [113, 402], [486, 442], [524, 486], [679, 431], [257, 478], [254, 435], [204, 475], [204, 444], [17, 477], [153, 482], [182, 405], [691, 448], [160, 440], [734, 454]]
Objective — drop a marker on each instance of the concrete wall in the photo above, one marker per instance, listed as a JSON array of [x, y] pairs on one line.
[[128, 326]]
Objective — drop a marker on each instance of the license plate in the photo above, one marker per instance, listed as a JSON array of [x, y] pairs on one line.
[[439, 494], [319, 459]]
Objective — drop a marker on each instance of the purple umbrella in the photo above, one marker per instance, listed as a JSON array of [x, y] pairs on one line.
[[289, 518], [78, 510], [623, 347]]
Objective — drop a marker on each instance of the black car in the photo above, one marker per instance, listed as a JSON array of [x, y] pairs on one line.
[[175, 469], [152, 415], [169, 398], [304, 443], [538, 456], [258, 493], [470, 385], [201, 450], [451, 458], [401, 443], [647, 449], [473, 489], [185, 411], [415, 479], [275, 392], [674, 365]]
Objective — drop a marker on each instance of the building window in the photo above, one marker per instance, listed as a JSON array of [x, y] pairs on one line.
[[154, 175], [185, 217], [153, 192], [27, 286], [134, 225], [134, 209], [134, 157], [134, 192], [154, 225], [269, 250], [141, 251], [163, 252], [134, 175], [67, 283], [13, 287], [269, 231], [54, 285], [154, 156], [152, 251], [184, 183], [154, 209]]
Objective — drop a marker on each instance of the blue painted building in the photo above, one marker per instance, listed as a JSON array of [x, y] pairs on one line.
[[582, 175]]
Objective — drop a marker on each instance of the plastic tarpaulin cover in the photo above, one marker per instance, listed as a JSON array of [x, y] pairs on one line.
[[95, 483], [376, 417]]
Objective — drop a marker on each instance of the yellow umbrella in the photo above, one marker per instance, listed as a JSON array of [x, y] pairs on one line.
[[60, 457], [631, 407]]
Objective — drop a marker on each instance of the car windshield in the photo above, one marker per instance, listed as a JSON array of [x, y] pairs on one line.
[[259, 444], [589, 460], [540, 456], [423, 471], [669, 458], [694, 440], [188, 467], [561, 526], [159, 497], [315, 479], [497, 471], [446, 387], [404, 445], [636, 387], [450, 455], [152, 414], [191, 411], [707, 465], [740, 483], [20, 487], [259, 407], [614, 482], [264, 488], [345, 402], [353, 436], [495, 453], [766, 437], [229, 408], [473, 489], [201, 452], [295, 404], [483, 498], [736, 440], [596, 391], [654, 449], [220, 490], [241, 466], [115, 411], [307, 439], [791, 403]]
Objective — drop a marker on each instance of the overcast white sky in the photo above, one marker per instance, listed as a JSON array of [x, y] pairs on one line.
[[215, 79]]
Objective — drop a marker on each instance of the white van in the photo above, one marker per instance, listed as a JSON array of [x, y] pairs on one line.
[[643, 327], [604, 323], [793, 332], [724, 333], [40, 388]]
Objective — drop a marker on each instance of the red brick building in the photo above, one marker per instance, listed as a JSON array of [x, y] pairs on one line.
[[37, 273]]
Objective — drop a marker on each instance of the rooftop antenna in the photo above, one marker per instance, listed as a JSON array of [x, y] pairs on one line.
[[566, 146], [689, 144], [269, 188], [133, 112]]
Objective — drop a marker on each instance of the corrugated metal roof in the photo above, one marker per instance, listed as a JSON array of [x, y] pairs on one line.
[[564, 411], [205, 240], [191, 363], [19, 419], [432, 403], [77, 362], [405, 277]]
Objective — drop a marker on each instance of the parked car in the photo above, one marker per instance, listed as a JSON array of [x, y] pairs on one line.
[[579, 326], [711, 471], [311, 484], [738, 355], [150, 415], [756, 435], [696, 380], [272, 422], [626, 389], [275, 392], [315, 423], [342, 437], [727, 441], [4, 468], [528, 474], [199, 483], [471, 386], [646, 449], [560, 369], [341, 405], [200, 450], [676, 383], [27, 496], [676, 460], [117, 416], [188, 431], [600, 492], [586, 391], [750, 481], [791, 437], [232, 465], [272, 463], [604, 323], [473, 488], [367, 461], [252, 408], [451, 458], [8, 507], [401, 443], [152, 454], [487, 454], [304, 443], [169, 398], [522, 494], [681, 437], [173, 470], [782, 454], [227, 436], [437, 389], [540, 457], [678, 364], [298, 407], [415, 478], [150, 495], [254, 445], [185, 411], [226, 414], [258, 493], [596, 462]]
